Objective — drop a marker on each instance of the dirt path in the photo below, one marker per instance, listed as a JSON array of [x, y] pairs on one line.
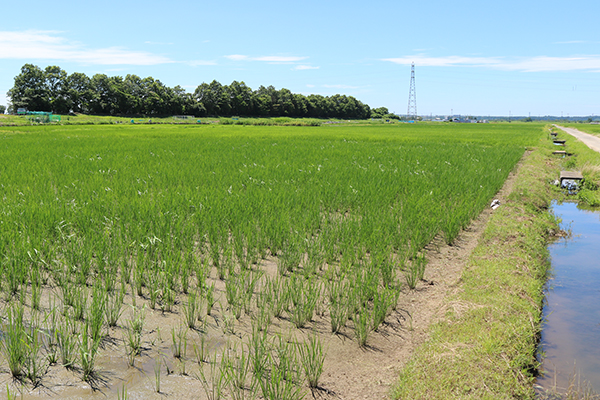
[[593, 142]]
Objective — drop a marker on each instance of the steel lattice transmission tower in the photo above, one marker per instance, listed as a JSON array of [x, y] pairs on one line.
[[411, 114]]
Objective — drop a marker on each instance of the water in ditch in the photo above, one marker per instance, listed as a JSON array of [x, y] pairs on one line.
[[571, 332]]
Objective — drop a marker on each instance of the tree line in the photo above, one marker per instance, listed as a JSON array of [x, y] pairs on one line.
[[52, 89]]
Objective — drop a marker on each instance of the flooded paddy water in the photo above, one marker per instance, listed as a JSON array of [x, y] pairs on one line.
[[571, 331]]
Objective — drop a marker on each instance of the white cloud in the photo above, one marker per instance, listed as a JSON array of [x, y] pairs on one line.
[[303, 67], [269, 59], [524, 64], [197, 63], [49, 45], [237, 57]]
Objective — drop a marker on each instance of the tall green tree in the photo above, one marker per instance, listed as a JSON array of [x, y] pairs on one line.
[[30, 90], [57, 89]]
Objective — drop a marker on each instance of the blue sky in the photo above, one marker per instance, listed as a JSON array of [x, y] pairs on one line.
[[471, 57]]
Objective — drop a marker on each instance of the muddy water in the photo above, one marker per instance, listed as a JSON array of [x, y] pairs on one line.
[[571, 333]]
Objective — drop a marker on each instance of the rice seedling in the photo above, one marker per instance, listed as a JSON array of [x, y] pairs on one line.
[[114, 308], [122, 394], [259, 351], [383, 302], [88, 350], [133, 338], [304, 295], [274, 385], [415, 271], [179, 346], [33, 360], [201, 350], [95, 317], [210, 298], [362, 326], [214, 382], [67, 345], [14, 347], [312, 358], [338, 304], [191, 310], [157, 367], [284, 357], [237, 371], [79, 302]]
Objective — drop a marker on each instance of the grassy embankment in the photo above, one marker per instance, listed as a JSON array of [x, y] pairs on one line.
[[486, 346]]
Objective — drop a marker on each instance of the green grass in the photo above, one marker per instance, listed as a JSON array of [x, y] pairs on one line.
[[107, 210], [486, 347]]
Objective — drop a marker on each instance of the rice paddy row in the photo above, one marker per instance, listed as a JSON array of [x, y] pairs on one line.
[[235, 229]]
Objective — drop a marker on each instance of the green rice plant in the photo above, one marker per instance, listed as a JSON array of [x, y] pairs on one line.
[[233, 294], [210, 298], [157, 366], [278, 295], [88, 350], [67, 345], [258, 349], [201, 272], [214, 382], [229, 323], [14, 343], [51, 333], [275, 385], [238, 373], [338, 304], [114, 308], [362, 326], [248, 279], [191, 310], [36, 288], [126, 268], [153, 287], [122, 394], [262, 317], [415, 271], [284, 358], [312, 359], [95, 316], [290, 258], [179, 338], [384, 301], [133, 339], [33, 361], [304, 295], [186, 271], [79, 302], [139, 280], [201, 350]]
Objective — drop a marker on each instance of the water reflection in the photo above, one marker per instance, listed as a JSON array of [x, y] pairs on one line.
[[571, 334]]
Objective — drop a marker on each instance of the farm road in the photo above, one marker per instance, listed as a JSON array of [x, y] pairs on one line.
[[593, 142]]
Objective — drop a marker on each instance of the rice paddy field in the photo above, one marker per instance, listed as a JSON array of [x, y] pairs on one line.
[[138, 259]]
